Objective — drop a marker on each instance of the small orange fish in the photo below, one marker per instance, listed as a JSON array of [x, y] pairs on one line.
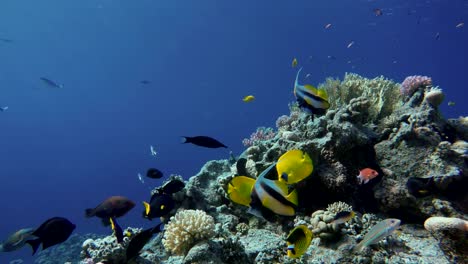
[[459, 25], [327, 26], [367, 174]]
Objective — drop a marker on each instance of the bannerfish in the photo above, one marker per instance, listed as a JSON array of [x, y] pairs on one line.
[[294, 63], [114, 206], [294, 166], [51, 83], [381, 230], [118, 232], [420, 187], [367, 174], [140, 240], [298, 241], [16, 240], [309, 98], [248, 98], [159, 205], [204, 141], [52, 232], [3, 108], [172, 186], [154, 173], [272, 195], [343, 217]]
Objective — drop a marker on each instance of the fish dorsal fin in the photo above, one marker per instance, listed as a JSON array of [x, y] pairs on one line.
[[322, 93], [293, 197]]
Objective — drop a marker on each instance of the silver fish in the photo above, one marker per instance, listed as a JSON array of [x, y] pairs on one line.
[[16, 240], [383, 229], [51, 83]]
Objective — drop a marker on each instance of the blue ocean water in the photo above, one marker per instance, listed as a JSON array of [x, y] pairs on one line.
[[64, 150]]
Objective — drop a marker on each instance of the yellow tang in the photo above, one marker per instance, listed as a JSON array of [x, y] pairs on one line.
[[240, 188], [248, 98], [298, 241], [294, 166], [294, 63]]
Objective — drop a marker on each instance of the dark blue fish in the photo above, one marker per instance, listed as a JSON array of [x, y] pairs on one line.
[[6, 40], [51, 83], [204, 141], [145, 82], [52, 232], [3, 108], [154, 173], [139, 241]]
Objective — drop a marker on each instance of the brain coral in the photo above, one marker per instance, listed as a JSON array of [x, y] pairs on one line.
[[185, 229]]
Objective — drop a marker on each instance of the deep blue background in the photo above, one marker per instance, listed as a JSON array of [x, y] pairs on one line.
[[63, 150]]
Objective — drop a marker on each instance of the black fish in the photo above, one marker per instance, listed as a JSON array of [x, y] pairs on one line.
[[204, 141], [160, 205], [52, 232], [154, 173], [118, 232], [51, 83], [420, 187], [6, 40], [114, 206], [240, 165], [172, 186], [139, 241]]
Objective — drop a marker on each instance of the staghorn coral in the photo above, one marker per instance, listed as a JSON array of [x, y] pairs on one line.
[[185, 229]]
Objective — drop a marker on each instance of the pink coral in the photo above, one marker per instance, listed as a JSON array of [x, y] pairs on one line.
[[261, 134], [413, 83]]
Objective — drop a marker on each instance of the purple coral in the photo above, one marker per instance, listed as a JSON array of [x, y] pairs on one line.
[[262, 133], [413, 83]]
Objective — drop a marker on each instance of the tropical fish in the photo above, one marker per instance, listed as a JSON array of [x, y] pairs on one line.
[[51, 83], [420, 187], [3, 108], [204, 141], [240, 189], [140, 240], [378, 232], [248, 98], [114, 206], [159, 205], [153, 151], [172, 186], [294, 63], [367, 174], [52, 232], [343, 217], [294, 166], [272, 195], [118, 232], [154, 173], [16, 240], [298, 241], [309, 98]]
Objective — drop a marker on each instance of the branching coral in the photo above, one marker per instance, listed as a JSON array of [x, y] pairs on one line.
[[185, 229], [262, 134]]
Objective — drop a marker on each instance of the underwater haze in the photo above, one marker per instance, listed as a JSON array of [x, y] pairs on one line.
[[141, 73]]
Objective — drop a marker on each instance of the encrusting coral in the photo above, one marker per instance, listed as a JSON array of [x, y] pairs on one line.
[[185, 229]]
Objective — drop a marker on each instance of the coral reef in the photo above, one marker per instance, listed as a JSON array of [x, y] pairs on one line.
[[394, 129]]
